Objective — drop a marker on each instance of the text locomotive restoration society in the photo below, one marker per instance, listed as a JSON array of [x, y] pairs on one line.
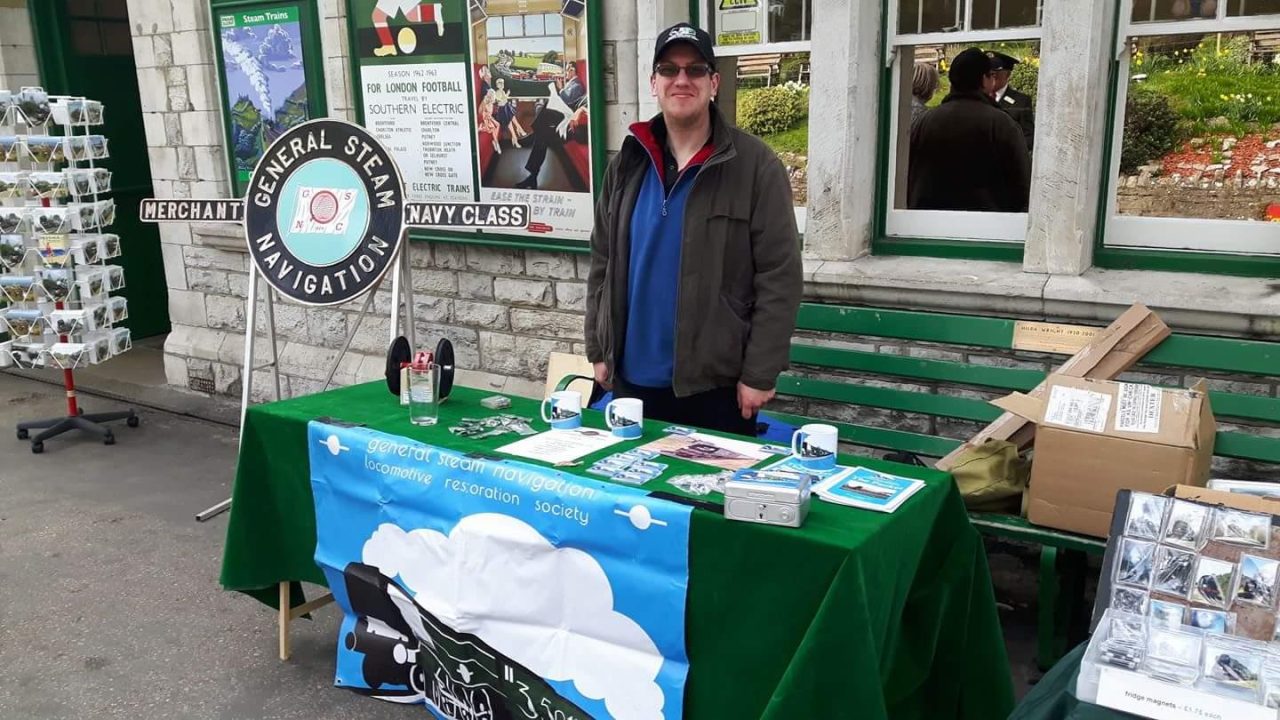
[[362, 157]]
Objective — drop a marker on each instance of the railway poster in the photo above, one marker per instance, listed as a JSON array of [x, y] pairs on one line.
[[494, 589], [483, 100]]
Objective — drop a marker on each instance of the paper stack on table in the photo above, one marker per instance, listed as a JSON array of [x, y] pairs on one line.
[[867, 489]]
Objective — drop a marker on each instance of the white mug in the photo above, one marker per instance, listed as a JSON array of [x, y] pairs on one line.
[[625, 417], [814, 445], [563, 410]]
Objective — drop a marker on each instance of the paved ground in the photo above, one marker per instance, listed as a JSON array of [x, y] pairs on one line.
[[110, 605]]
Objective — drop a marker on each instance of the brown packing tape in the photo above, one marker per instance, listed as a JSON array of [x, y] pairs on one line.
[[1115, 350]]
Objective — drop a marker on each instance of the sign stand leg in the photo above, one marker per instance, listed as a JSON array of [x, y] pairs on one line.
[[246, 375]]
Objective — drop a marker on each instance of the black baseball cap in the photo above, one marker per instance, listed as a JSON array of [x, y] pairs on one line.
[[686, 33], [1000, 61], [967, 69]]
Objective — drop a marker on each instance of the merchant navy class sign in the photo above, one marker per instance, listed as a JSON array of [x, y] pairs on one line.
[[325, 213]]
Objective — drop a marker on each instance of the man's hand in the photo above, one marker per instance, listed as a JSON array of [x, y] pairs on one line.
[[750, 400], [602, 375]]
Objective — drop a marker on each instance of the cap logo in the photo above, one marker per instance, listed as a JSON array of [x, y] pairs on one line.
[[682, 33]]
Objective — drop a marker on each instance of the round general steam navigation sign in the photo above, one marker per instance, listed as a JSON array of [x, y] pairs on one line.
[[324, 214]]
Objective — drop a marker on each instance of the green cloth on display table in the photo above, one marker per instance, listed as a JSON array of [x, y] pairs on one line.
[[1054, 697], [856, 615]]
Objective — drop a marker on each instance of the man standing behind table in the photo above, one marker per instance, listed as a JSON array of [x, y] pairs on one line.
[[695, 258], [966, 154], [1016, 105]]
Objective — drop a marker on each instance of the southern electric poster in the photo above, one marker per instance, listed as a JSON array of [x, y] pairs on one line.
[[486, 100]]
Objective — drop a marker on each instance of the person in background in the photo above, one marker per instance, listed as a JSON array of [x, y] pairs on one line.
[[696, 274], [966, 154], [1016, 104], [923, 85]]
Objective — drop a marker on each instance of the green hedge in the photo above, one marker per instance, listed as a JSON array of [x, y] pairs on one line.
[[771, 110]]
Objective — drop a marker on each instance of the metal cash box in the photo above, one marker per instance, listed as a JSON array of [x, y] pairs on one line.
[[772, 497]]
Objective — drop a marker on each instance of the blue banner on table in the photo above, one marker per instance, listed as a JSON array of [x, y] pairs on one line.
[[498, 589]]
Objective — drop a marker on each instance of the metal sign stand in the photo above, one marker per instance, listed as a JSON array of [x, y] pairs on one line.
[[401, 293]]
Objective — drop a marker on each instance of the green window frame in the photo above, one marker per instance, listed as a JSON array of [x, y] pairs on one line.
[[884, 244], [1128, 258]]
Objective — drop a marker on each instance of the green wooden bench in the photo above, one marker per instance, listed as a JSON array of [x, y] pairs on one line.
[[1063, 555]]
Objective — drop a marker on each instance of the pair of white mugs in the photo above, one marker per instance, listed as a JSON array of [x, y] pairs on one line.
[[624, 416], [814, 445]]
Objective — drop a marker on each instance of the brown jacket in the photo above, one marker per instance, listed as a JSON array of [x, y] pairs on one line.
[[740, 269]]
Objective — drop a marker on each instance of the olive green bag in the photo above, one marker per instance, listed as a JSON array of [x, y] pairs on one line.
[[992, 477]]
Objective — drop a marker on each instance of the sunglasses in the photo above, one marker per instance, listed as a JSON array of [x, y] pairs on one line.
[[695, 71]]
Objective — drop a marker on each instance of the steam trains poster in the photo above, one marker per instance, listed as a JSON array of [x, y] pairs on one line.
[[264, 83]]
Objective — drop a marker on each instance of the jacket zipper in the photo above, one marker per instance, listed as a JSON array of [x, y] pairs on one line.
[[715, 159]]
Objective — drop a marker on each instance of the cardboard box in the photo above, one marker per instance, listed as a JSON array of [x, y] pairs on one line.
[[1096, 437]]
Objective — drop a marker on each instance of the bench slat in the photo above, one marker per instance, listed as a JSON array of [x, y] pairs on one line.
[[882, 439], [889, 399], [1230, 405], [1246, 447], [907, 325], [917, 368], [1016, 527], [1214, 353]]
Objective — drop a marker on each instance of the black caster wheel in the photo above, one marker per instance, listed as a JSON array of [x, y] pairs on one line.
[[37, 447], [132, 421], [23, 434], [109, 439]]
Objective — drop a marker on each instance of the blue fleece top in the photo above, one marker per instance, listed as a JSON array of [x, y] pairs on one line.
[[657, 229]]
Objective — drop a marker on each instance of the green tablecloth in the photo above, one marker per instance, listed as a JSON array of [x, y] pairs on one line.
[[856, 615]]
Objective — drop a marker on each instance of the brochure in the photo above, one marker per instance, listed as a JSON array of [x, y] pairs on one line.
[[868, 489]]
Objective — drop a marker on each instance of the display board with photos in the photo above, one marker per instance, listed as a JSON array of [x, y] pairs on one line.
[[56, 251], [1188, 595], [489, 101]]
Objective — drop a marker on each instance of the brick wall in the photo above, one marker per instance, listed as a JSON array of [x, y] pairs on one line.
[[963, 429]]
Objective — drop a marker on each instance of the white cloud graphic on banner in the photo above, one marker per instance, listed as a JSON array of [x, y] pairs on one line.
[[548, 609]]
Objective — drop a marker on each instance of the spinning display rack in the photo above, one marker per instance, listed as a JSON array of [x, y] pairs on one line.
[[56, 276]]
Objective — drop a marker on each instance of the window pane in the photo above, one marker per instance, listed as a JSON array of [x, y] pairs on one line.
[[789, 20], [1237, 8], [921, 16], [555, 24], [996, 14], [773, 103], [1198, 129], [116, 39], [1165, 10], [114, 9], [493, 27], [84, 37], [971, 152], [511, 26], [81, 8], [535, 25]]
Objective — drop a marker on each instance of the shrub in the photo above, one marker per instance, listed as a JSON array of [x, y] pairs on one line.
[[1026, 76], [772, 110], [1150, 129]]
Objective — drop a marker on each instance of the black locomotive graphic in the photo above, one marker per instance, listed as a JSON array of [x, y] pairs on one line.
[[410, 656]]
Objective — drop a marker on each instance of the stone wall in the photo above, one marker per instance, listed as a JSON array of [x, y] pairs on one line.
[[17, 47], [1232, 199], [504, 310]]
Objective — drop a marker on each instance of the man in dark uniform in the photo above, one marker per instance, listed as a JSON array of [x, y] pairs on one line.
[[966, 154], [1016, 104]]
